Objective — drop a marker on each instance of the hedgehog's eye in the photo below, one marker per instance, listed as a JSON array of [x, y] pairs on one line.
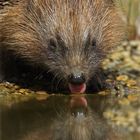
[[94, 43], [52, 44]]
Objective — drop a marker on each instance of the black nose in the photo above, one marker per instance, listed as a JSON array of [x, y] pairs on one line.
[[77, 79]]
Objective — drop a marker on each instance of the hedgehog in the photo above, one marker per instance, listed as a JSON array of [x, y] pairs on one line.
[[67, 38]]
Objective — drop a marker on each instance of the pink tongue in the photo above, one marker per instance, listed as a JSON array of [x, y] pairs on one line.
[[77, 88]]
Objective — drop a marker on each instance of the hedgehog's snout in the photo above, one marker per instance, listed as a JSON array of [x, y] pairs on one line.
[[76, 79], [77, 82]]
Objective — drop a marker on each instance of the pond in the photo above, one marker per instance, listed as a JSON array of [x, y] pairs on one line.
[[59, 117]]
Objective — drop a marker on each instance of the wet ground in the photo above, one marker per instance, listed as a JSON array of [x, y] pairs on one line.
[[112, 114]]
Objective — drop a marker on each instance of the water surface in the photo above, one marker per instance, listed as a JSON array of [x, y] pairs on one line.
[[59, 118]]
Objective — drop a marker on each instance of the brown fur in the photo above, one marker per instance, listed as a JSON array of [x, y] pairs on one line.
[[59, 34]]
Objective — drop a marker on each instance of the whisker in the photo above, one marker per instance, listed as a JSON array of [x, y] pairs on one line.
[[53, 80], [60, 79]]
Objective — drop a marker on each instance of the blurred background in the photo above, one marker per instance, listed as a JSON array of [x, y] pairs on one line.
[[131, 15]]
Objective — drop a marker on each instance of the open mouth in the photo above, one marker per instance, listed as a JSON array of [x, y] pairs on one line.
[[80, 88]]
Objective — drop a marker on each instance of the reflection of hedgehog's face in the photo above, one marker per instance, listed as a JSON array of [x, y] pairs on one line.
[[69, 37]]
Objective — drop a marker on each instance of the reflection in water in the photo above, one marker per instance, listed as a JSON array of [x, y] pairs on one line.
[[56, 118]]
